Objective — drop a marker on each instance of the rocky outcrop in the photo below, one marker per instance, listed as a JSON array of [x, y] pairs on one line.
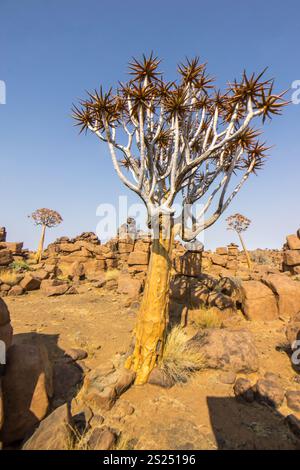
[[291, 254]]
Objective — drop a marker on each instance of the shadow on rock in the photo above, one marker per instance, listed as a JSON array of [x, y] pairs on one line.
[[250, 426], [39, 377]]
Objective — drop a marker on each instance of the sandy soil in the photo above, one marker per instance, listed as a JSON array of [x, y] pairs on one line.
[[201, 414]]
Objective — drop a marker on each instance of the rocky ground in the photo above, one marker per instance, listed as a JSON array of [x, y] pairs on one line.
[[203, 413]]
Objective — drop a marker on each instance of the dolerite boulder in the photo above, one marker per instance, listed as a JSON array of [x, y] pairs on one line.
[[53, 433], [259, 302], [51, 287], [104, 385], [5, 257], [26, 387], [6, 330], [293, 331], [228, 349], [269, 391], [30, 282], [287, 292]]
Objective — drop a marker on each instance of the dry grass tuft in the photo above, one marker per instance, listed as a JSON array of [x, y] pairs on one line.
[[124, 442], [112, 274], [76, 440], [180, 358], [207, 318], [10, 277]]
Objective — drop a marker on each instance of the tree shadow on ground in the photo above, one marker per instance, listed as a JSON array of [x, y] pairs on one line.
[[249, 426]]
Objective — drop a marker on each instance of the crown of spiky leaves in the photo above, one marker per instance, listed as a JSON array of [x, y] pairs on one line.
[[192, 93], [238, 222], [47, 217]]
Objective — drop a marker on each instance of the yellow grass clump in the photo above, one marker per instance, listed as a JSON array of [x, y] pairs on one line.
[[112, 274], [10, 277], [180, 358], [207, 318]]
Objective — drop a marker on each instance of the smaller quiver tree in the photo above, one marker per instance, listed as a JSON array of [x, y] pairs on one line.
[[239, 223], [46, 218]]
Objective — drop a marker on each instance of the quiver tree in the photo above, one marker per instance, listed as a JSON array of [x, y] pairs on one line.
[[45, 218], [239, 223], [170, 138]]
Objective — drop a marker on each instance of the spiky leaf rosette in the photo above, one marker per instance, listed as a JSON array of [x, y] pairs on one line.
[[47, 217], [238, 222], [184, 135]]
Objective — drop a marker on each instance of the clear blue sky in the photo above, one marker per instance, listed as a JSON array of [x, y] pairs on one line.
[[52, 51]]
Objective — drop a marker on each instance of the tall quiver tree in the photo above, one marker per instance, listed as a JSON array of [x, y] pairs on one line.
[[239, 223], [47, 218], [182, 137]]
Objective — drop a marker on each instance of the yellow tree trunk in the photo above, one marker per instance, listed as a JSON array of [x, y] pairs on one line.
[[153, 314], [41, 245], [245, 251]]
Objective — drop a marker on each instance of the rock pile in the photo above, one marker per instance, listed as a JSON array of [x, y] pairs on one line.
[[291, 254]]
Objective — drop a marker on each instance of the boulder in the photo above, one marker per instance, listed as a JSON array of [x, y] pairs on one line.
[[219, 260], [14, 247], [179, 288], [103, 386], [138, 257], [53, 433], [287, 292], [6, 331], [27, 386], [243, 390], [259, 302], [228, 349], [222, 250], [189, 264], [293, 399], [124, 247], [269, 391], [294, 424], [30, 282], [2, 234], [15, 291], [290, 257], [293, 330], [5, 257], [51, 287], [293, 242], [129, 286], [102, 438], [142, 245], [161, 378]]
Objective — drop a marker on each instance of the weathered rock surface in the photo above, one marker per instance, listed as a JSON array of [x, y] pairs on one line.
[[259, 302], [243, 390], [287, 292], [228, 349], [293, 399], [27, 386], [102, 386], [53, 433], [269, 391], [102, 438], [6, 330], [51, 287]]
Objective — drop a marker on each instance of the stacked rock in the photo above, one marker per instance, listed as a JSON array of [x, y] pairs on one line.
[[291, 256]]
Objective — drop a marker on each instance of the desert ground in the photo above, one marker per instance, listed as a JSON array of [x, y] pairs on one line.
[[200, 414]]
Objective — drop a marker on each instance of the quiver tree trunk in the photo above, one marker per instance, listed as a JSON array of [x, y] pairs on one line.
[[153, 315], [245, 251], [41, 245]]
